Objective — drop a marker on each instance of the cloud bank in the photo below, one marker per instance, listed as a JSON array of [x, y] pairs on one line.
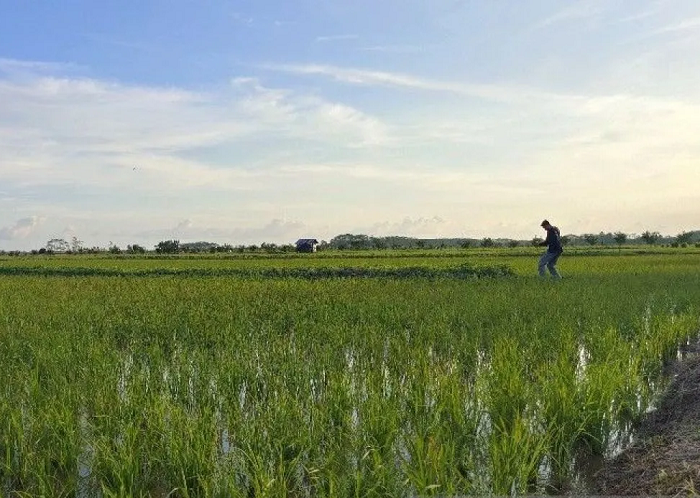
[[336, 138]]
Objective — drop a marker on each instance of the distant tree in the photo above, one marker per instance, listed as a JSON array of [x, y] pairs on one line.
[[114, 248], [420, 244], [76, 245], [620, 238], [513, 243], [487, 242], [684, 238], [466, 244], [379, 243], [268, 247], [135, 249], [565, 240], [197, 247], [591, 239], [168, 247], [57, 245], [650, 238], [350, 241], [536, 241], [225, 248]]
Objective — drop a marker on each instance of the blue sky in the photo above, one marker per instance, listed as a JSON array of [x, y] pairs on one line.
[[245, 122]]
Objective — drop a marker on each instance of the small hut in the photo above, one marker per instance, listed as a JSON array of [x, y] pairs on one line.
[[306, 245]]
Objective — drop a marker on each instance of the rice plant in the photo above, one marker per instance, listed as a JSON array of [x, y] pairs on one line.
[[354, 376]]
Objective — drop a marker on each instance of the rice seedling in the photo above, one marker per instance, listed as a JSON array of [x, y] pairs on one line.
[[383, 375]]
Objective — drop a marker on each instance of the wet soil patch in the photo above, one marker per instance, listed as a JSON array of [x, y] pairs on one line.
[[665, 458]]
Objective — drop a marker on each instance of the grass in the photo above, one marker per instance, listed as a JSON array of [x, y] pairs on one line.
[[257, 382]]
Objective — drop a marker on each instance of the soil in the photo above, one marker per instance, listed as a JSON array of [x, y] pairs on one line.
[[665, 457]]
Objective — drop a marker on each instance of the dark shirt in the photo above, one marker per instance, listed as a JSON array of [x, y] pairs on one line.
[[553, 241]]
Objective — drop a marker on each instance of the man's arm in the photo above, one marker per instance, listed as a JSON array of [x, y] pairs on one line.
[[548, 239]]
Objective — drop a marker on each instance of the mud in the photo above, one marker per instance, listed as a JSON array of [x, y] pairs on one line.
[[665, 458]]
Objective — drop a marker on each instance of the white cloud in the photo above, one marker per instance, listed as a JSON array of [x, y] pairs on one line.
[[276, 231], [82, 131], [241, 18], [411, 227], [332, 38], [644, 14], [684, 25], [183, 225], [21, 229], [576, 11], [360, 76], [113, 160], [18, 68], [398, 49]]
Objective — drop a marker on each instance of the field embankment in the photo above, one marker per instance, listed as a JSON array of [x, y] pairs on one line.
[[665, 457]]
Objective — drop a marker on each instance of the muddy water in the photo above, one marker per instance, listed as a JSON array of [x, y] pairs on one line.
[[583, 466], [586, 465]]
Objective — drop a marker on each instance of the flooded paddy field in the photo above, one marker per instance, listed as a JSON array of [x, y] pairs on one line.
[[429, 374]]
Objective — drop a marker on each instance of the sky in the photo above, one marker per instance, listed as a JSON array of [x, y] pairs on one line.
[[242, 122]]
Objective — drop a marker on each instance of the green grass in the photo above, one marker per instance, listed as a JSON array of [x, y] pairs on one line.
[[257, 382]]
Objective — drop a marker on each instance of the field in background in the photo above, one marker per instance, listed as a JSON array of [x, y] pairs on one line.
[[121, 377], [579, 260]]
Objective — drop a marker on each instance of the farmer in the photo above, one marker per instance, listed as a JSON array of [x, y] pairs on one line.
[[554, 250]]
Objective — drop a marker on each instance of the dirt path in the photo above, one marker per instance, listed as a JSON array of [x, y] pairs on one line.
[[665, 459]]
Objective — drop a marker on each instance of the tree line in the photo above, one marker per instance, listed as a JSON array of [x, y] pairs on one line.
[[367, 242], [355, 242]]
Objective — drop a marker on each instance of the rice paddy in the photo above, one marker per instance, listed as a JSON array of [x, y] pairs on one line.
[[370, 375]]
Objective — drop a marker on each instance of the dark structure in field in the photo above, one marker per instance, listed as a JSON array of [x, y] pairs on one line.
[[306, 245]]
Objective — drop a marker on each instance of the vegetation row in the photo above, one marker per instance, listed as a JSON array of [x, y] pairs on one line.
[[463, 271]]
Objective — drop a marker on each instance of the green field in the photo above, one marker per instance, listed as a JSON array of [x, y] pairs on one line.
[[421, 373]]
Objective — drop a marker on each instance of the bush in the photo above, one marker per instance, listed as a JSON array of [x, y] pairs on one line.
[[135, 249], [168, 247]]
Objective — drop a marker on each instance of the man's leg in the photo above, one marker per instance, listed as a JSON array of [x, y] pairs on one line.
[[551, 265], [544, 260]]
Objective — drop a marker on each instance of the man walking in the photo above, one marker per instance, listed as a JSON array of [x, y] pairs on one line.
[[554, 250]]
